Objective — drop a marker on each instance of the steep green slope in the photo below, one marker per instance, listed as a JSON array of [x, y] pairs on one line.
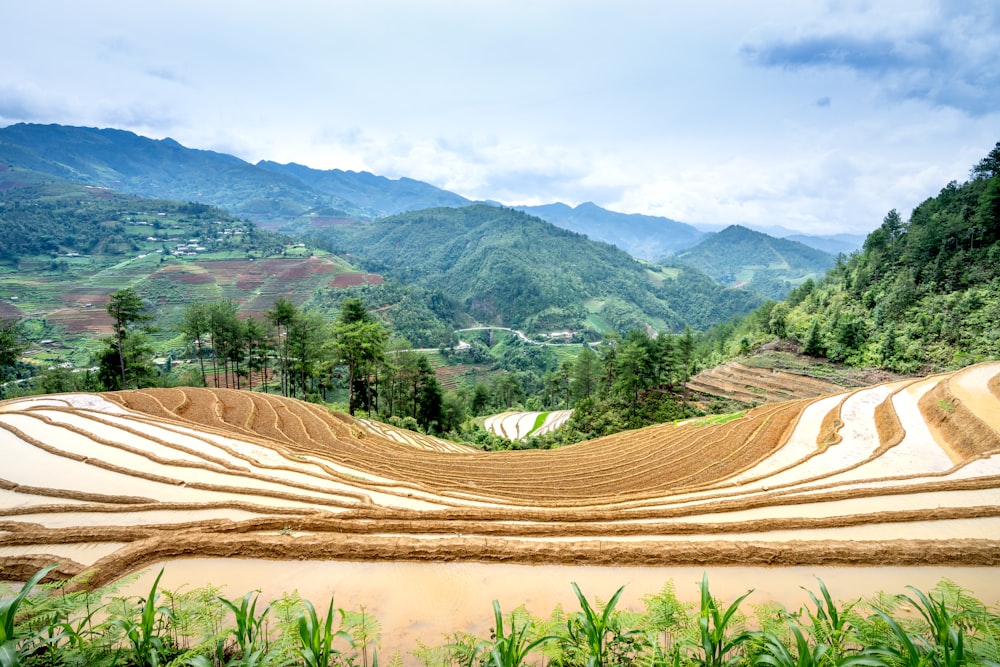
[[269, 193], [922, 295], [152, 168], [738, 256], [513, 269], [703, 303]]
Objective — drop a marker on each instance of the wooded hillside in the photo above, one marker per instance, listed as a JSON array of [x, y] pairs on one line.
[[924, 293], [513, 269]]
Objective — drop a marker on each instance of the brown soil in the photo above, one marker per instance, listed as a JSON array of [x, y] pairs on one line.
[[890, 430], [321, 485], [353, 279], [9, 312], [83, 320], [183, 274], [955, 427], [753, 385]]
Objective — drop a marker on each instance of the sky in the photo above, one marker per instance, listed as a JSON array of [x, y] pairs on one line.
[[818, 116]]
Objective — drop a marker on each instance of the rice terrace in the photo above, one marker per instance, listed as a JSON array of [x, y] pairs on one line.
[[904, 474]]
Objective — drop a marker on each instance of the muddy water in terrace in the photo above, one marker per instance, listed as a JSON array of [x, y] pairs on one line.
[[424, 601]]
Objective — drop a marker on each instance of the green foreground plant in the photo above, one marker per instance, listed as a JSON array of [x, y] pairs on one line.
[[147, 637], [317, 637], [12, 640], [45, 626], [510, 649], [594, 634], [717, 645]]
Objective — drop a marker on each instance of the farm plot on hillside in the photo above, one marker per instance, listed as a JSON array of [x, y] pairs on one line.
[[903, 473], [748, 384], [517, 425]]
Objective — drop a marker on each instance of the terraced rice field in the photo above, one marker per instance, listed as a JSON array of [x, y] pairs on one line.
[[517, 425], [757, 385], [898, 474]]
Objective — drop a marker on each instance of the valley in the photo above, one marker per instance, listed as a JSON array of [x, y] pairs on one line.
[[663, 422]]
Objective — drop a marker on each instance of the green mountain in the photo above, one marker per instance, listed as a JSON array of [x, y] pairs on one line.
[[508, 268], [159, 169], [548, 279], [922, 295], [370, 196], [646, 237], [267, 193], [65, 247], [741, 257]]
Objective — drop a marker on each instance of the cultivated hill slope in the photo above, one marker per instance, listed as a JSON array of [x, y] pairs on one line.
[[748, 384], [903, 473], [65, 247]]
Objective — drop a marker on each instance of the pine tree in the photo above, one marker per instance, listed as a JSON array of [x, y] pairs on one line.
[[127, 311], [814, 342]]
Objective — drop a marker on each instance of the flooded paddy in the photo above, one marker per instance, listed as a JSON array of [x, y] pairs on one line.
[[423, 602]]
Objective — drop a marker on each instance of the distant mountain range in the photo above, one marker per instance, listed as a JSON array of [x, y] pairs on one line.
[[293, 197], [643, 236]]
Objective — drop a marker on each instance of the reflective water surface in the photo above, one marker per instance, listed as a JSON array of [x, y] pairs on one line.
[[424, 601]]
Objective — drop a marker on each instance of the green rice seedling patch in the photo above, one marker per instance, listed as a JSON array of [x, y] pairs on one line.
[[539, 422], [717, 419], [567, 352], [597, 323]]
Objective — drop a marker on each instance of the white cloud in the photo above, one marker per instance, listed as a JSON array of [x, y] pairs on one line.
[[641, 106]]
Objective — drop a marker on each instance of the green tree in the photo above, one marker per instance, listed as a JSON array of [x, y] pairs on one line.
[[281, 316], [224, 330], [557, 385], [194, 328], [507, 391], [609, 361], [259, 338], [128, 312], [12, 346], [308, 333], [481, 398], [414, 392], [989, 166], [814, 341], [778, 322], [584, 377], [633, 367], [359, 343], [686, 350], [430, 403], [667, 359]]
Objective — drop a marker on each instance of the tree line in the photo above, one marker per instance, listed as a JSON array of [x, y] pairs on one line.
[[354, 361], [294, 351]]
